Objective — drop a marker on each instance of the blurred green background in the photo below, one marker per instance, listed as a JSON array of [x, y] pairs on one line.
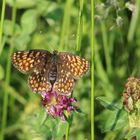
[[63, 25], [117, 56]]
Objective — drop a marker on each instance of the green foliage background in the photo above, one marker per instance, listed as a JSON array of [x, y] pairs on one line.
[[63, 25], [117, 56]]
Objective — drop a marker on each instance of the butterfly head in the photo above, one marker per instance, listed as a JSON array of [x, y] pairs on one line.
[[54, 57], [55, 52]]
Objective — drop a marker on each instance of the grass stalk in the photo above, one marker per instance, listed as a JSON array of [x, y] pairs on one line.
[[65, 24], [92, 70], [12, 100], [7, 78], [133, 22], [2, 23], [100, 71], [1, 31], [80, 26], [106, 47], [12, 92]]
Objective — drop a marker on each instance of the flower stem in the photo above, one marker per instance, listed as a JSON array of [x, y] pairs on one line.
[[68, 127], [67, 131]]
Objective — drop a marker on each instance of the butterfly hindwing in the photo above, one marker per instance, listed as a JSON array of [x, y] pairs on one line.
[[64, 83], [38, 82]]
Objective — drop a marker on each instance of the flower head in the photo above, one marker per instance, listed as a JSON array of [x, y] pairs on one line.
[[56, 104], [131, 93], [131, 100]]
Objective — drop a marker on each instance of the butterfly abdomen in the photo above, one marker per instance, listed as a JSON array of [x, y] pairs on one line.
[[52, 74]]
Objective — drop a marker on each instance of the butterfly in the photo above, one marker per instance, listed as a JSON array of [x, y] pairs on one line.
[[57, 71]]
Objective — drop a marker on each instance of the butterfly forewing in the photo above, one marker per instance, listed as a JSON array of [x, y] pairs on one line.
[[74, 64], [25, 61], [64, 83]]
